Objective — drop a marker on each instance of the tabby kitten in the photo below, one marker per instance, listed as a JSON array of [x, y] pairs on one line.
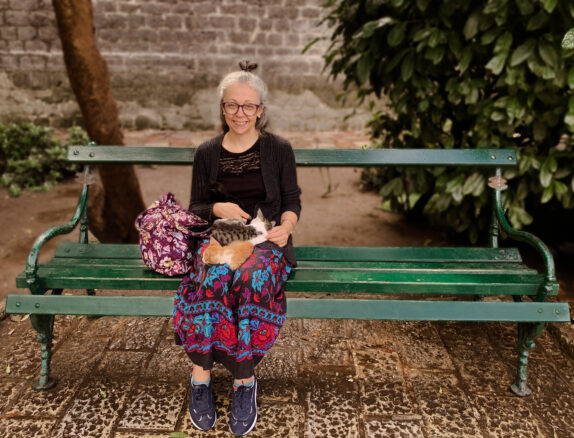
[[230, 230]]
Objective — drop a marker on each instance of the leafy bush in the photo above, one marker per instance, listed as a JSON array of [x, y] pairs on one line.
[[480, 74], [32, 159]]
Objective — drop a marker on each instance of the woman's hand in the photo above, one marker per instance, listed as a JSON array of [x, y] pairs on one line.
[[279, 235], [229, 210]]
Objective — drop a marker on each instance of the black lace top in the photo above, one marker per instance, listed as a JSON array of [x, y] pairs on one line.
[[240, 176]]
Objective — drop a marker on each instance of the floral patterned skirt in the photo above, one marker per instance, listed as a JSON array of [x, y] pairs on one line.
[[232, 317]]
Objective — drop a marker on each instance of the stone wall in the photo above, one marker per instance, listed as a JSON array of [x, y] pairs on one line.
[[166, 57]]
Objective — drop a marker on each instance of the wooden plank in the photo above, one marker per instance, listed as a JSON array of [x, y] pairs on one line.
[[323, 253], [406, 310], [306, 157]]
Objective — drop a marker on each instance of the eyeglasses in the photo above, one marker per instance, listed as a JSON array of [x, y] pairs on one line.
[[232, 108]]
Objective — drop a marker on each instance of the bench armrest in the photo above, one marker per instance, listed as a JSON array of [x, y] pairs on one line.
[[32, 262], [523, 236]]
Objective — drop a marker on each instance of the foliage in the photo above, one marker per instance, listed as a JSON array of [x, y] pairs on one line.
[[32, 159], [480, 74]]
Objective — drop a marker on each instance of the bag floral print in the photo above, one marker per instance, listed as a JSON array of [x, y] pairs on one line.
[[165, 229]]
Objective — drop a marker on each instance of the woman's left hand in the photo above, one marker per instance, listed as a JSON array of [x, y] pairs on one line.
[[279, 235]]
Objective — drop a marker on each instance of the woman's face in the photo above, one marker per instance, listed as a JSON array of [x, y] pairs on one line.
[[241, 94]]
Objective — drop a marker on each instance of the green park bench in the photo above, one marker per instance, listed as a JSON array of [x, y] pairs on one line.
[[328, 275]]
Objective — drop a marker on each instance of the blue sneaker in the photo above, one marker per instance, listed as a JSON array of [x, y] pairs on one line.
[[201, 407], [243, 415]]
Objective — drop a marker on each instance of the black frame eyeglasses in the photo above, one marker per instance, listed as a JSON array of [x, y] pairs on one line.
[[232, 108]]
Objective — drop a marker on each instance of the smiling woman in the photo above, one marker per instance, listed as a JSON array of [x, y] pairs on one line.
[[234, 316]]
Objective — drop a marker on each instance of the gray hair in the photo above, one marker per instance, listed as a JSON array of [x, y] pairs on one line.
[[255, 82]]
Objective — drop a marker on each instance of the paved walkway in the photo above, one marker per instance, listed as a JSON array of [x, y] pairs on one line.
[[124, 378]]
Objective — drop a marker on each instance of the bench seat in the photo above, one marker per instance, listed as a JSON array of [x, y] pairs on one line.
[[404, 270]]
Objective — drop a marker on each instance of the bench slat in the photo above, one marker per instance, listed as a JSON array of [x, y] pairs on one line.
[[321, 253], [306, 157], [308, 280], [478, 267], [304, 308]]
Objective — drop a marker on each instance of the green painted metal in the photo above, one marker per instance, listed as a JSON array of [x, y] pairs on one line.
[[32, 262], [549, 269], [307, 157], [430, 281], [322, 253], [324, 308], [527, 332], [302, 265]]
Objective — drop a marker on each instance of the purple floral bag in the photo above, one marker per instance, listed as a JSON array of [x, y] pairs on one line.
[[165, 229]]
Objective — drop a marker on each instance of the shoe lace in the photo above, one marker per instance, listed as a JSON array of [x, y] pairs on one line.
[[200, 393], [242, 400]]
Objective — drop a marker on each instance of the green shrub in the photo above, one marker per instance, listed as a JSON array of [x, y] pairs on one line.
[[480, 74], [32, 159]]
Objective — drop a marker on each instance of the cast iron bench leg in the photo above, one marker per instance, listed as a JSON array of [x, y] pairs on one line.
[[44, 325], [527, 332]]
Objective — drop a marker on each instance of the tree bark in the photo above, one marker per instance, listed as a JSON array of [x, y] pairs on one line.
[[116, 203]]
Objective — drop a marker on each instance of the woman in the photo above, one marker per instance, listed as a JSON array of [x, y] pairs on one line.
[[234, 317]]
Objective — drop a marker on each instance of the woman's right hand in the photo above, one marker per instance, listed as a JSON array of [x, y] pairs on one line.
[[229, 210]]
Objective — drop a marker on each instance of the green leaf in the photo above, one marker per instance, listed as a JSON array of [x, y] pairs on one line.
[[407, 67], [490, 36], [549, 5], [568, 40], [547, 194], [537, 21], [473, 184], [466, 59], [435, 54], [548, 54], [454, 44], [541, 70], [422, 5], [545, 176], [571, 78], [503, 43], [422, 34], [523, 52], [496, 64], [395, 61], [364, 68], [560, 189], [396, 35], [497, 116], [525, 6], [472, 25], [369, 27]]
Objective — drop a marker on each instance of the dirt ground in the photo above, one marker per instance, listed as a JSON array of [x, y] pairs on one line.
[[335, 211]]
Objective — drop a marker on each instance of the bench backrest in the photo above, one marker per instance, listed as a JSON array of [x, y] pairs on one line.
[[305, 157]]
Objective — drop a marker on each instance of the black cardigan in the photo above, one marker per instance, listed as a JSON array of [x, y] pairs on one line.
[[279, 174]]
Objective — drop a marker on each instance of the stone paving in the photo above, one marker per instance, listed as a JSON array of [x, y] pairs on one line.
[[124, 378]]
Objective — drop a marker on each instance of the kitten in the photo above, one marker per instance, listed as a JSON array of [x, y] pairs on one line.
[[230, 230], [233, 254]]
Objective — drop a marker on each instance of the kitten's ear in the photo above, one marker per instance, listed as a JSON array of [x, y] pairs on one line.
[[272, 224], [214, 242], [260, 214]]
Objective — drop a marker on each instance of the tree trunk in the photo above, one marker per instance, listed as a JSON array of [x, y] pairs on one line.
[[114, 205]]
